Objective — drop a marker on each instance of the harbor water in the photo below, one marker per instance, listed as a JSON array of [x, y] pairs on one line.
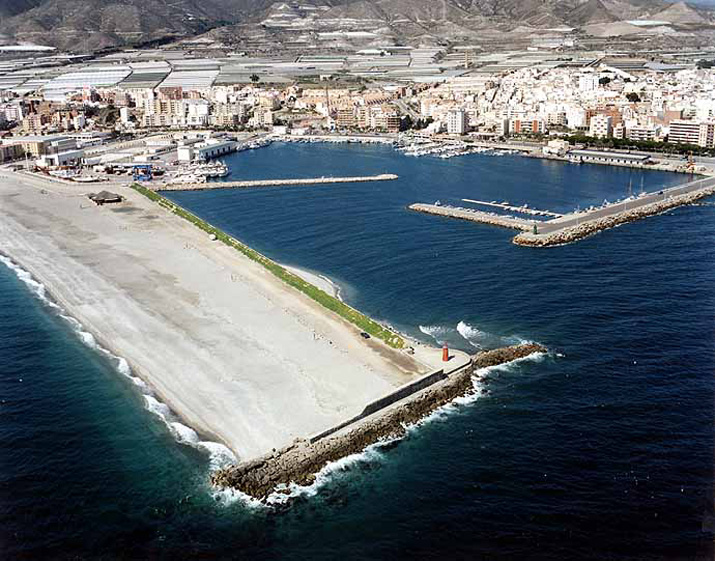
[[603, 449]]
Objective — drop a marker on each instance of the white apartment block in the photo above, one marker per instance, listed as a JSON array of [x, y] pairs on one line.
[[642, 133], [683, 131], [588, 82], [456, 121], [600, 126]]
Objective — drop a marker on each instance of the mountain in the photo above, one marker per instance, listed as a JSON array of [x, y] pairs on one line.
[[681, 13], [94, 24]]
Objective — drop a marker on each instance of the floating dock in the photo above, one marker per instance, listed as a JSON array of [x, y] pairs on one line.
[[511, 208], [271, 182], [575, 226]]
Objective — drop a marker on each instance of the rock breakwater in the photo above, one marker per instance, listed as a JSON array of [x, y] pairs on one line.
[[474, 215], [299, 462], [590, 227]]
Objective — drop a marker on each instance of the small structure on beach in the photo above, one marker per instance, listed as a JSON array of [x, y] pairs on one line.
[[104, 197]]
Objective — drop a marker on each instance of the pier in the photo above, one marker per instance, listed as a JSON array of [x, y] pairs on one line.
[[272, 182], [473, 215], [522, 209], [568, 228]]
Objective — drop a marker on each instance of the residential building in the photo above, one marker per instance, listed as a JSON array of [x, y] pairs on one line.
[[601, 126]]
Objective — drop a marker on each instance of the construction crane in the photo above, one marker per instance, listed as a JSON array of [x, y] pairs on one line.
[[690, 166]]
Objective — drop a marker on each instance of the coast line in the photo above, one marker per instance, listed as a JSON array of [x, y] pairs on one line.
[[225, 337], [332, 303]]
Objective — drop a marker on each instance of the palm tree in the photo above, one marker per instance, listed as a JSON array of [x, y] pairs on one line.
[[255, 78]]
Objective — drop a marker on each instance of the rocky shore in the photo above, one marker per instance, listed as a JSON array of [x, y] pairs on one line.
[[300, 461], [588, 228]]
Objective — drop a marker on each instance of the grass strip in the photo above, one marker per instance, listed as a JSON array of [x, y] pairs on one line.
[[349, 313]]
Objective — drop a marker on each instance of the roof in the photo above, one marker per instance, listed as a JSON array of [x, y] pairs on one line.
[[105, 196]]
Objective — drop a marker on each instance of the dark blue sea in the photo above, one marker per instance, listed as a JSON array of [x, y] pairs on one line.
[[601, 450]]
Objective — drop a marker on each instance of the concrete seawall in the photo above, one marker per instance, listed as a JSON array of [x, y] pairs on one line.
[[400, 393], [300, 461], [272, 182]]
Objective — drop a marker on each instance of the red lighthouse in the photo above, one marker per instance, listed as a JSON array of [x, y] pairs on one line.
[[445, 353]]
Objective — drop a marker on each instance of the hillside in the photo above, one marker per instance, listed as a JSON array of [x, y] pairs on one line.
[[94, 24]]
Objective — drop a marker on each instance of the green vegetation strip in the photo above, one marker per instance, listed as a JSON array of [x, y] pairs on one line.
[[343, 310]]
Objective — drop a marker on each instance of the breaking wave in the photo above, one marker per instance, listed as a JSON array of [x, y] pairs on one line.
[[474, 336], [219, 455], [437, 332]]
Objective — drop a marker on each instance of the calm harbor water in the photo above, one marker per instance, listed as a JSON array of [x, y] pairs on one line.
[[602, 450]]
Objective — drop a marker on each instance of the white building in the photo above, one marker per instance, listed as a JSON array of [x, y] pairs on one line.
[[600, 126], [212, 148], [588, 82], [456, 121], [684, 132]]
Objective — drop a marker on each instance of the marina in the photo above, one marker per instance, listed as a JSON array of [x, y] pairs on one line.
[[579, 224], [473, 215], [524, 209]]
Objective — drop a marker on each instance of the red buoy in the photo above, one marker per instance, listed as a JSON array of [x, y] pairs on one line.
[[445, 353]]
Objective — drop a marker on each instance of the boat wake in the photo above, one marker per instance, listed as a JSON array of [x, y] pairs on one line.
[[219, 455]]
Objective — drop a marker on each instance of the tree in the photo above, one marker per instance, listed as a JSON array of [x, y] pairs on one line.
[[605, 80], [633, 97], [255, 78]]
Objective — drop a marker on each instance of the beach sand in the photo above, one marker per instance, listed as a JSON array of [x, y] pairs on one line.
[[237, 354]]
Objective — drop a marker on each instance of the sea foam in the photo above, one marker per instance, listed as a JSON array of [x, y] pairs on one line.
[[219, 455]]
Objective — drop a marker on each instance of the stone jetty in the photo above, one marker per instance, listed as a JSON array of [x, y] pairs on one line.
[[300, 461], [589, 227], [272, 182], [473, 215]]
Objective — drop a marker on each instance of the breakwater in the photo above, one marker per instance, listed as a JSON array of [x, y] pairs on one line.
[[273, 182], [300, 461], [473, 215], [588, 227]]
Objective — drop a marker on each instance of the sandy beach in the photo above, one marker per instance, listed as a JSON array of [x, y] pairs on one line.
[[240, 356]]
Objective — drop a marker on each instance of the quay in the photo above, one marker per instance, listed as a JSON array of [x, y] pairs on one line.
[[475, 216], [522, 209], [272, 182], [575, 226]]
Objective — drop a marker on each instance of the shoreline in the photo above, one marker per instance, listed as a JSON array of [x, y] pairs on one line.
[[133, 275], [323, 282], [219, 453]]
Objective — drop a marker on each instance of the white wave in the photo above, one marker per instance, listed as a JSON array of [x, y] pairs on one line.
[[225, 496], [437, 332], [471, 334], [329, 472], [157, 407], [219, 455]]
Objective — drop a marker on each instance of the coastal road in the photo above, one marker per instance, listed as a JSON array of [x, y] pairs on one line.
[[574, 219]]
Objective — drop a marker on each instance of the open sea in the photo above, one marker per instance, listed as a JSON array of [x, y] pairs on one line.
[[602, 450]]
